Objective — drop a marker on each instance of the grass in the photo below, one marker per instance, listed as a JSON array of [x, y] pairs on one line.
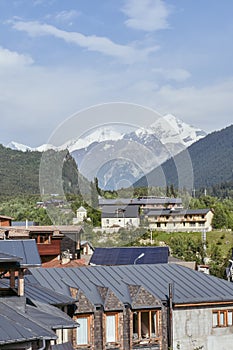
[[222, 238]]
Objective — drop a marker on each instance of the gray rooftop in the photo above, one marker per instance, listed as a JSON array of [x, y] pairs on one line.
[[140, 201], [25, 249], [50, 316], [121, 211], [6, 258], [189, 286], [176, 212], [38, 294], [17, 326]]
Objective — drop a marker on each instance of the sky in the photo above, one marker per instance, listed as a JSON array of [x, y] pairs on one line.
[[60, 57]]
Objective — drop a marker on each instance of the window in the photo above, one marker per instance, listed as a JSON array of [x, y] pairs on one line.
[[223, 318], [145, 324], [111, 328], [45, 239], [83, 331], [64, 335]]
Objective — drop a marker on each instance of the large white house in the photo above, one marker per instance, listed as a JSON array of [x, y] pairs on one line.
[[113, 216], [171, 220]]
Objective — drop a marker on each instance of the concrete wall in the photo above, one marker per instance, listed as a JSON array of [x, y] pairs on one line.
[[121, 222], [192, 329]]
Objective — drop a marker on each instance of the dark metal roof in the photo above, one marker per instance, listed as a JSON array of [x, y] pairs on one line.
[[64, 346], [112, 211], [25, 249], [140, 201], [50, 316], [189, 286], [9, 258], [175, 212], [16, 326], [36, 292], [128, 255]]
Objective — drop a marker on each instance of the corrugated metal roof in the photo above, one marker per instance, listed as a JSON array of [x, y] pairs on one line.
[[128, 255], [40, 294], [50, 316], [25, 249], [64, 346], [189, 286], [17, 326], [34, 291]]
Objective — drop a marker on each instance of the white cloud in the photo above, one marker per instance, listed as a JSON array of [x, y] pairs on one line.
[[147, 15], [176, 74], [64, 16], [127, 54], [209, 107], [12, 58]]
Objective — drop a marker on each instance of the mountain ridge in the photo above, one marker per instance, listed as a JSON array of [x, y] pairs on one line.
[[118, 156], [211, 160]]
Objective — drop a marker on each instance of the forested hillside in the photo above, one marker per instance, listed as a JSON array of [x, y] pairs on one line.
[[19, 171], [211, 162]]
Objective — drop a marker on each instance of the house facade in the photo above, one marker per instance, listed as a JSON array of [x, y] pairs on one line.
[[51, 241], [120, 217], [5, 220], [156, 306], [180, 220]]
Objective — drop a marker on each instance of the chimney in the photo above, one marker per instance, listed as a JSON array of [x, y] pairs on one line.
[[20, 283]]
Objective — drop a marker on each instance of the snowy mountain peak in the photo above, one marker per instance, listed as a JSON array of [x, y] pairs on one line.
[[18, 146], [102, 134], [170, 129]]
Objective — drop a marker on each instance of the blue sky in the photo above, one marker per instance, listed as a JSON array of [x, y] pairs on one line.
[[58, 57]]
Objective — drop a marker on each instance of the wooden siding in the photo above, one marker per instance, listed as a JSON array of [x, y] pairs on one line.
[[53, 248]]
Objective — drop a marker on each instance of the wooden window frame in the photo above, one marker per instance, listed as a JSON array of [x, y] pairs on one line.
[[116, 314], [89, 320], [41, 238], [225, 317], [139, 328]]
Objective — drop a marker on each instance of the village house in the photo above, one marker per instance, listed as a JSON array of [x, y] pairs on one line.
[[156, 306], [51, 241], [26, 324], [180, 220], [163, 214], [120, 217]]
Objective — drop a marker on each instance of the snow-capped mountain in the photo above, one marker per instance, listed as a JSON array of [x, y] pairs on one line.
[[20, 147], [120, 157], [170, 129]]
